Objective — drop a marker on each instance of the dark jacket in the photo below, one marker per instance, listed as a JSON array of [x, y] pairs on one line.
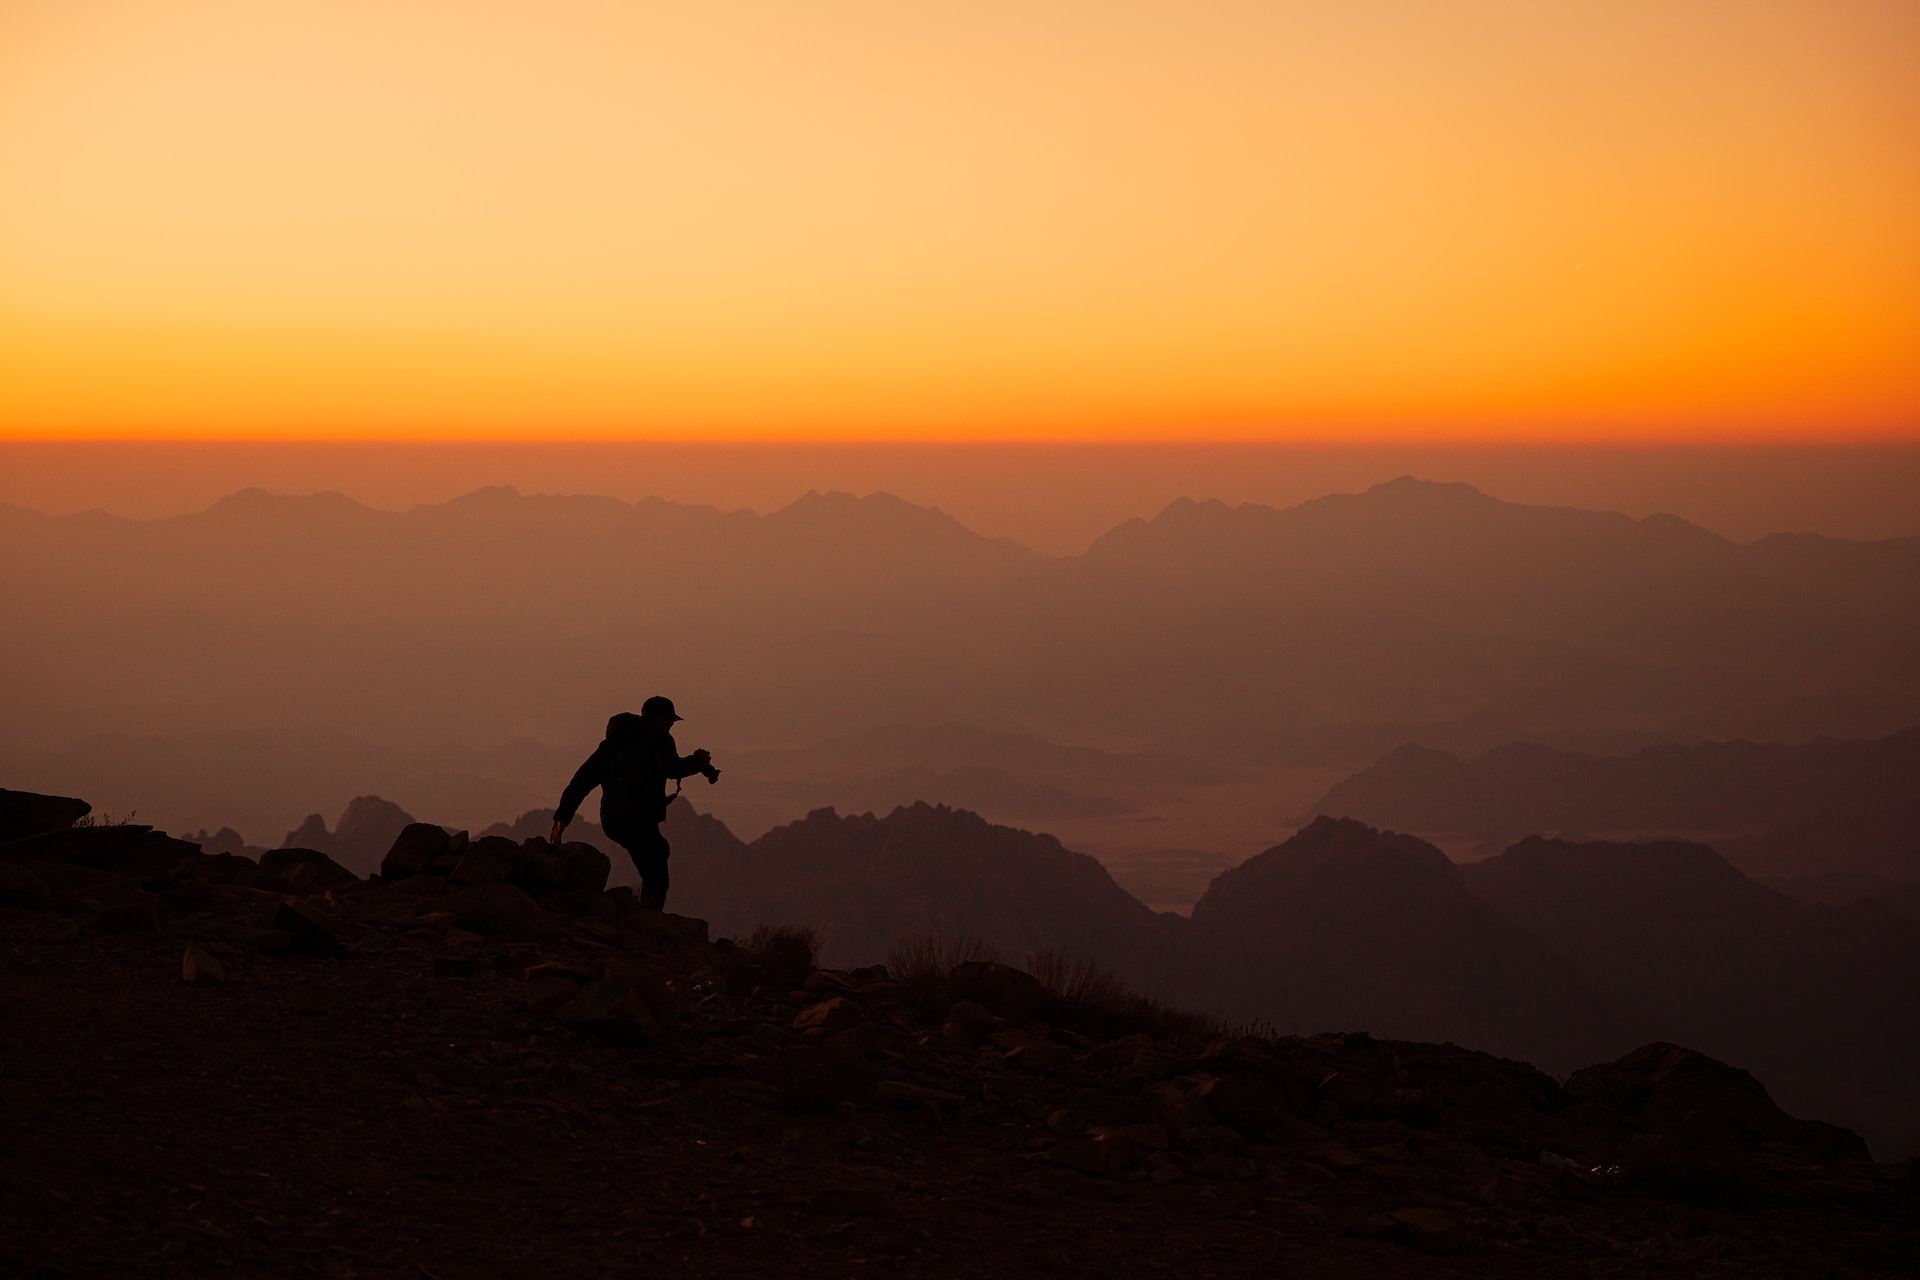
[[631, 767]]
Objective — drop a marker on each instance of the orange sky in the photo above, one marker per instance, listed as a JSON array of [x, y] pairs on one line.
[[1038, 219]]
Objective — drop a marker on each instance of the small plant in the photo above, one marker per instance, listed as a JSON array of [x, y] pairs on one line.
[[1094, 1001], [925, 960], [105, 820], [791, 949]]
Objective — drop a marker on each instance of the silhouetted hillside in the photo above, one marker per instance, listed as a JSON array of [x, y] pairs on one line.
[[1825, 806], [1843, 888], [1346, 927], [1819, 1000], [868, 882]]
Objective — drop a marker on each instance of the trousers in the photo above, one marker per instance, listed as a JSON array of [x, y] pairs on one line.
[[649, 851]]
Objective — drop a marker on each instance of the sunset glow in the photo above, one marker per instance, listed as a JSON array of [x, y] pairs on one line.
[[1072, 220]]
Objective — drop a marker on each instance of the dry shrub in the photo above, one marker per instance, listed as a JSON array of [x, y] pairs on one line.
[[1095, 1001], [924, 961], [789, 948]]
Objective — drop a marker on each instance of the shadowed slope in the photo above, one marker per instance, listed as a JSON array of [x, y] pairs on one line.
[[867, 882], [1344, 926], [1820, 1001]]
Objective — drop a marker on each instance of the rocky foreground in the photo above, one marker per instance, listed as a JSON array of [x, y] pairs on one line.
[[482, 1063]]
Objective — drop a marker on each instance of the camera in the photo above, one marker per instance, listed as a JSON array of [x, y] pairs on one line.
[[711, 774]]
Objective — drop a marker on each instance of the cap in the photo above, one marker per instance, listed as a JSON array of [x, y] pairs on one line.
[[658, 706]]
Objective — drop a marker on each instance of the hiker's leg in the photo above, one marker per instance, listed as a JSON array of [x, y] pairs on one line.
[[650, 859]]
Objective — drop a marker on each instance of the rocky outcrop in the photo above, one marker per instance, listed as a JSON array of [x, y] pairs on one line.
[[27, 813]]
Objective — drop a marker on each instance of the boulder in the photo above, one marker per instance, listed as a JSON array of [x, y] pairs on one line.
[[414, 850], [485, 862], [19, 887], [305, 870], [548, 987], [830, 1017], [152, 857], [1252, 1102], [1696, 1099], [969, 1022], [1006, 992], [572, 866], [308, 934], [28, 813], [498, 910], [1429, 1230], [197, 966]]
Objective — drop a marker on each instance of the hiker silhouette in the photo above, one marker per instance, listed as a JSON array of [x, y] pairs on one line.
[[632, 766]]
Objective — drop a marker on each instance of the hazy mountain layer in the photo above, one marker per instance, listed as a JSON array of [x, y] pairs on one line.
[[1324, 631], [1825, 806]]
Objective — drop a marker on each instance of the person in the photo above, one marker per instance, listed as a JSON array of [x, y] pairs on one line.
[[632, 767]]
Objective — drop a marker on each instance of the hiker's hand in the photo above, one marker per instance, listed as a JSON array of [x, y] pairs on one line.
[[559, 827]]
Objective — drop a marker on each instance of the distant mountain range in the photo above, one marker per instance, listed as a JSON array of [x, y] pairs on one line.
[[1324, 632], [1817, 808]]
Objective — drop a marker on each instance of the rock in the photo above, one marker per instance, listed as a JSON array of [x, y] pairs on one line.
[[414, 850], [19, 887], [1244, 1101], [197, 966], [1004, 991], [625, 901], [1166, 1104], [1120, 1053], [548, 987], [830, 1017], [895, 1093], [308, 934], [1104, 1155], [127, 917], [151, 857], [573, 866], [453, 966], [482, 864], [227, 868], [1040, 1056], [1429, 1230], [970, 1022], [1153, 1137], [272, 942], [422, 885], [306, 870], [655, 995], [28, 813], [499, 910], [1700, 1100]]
